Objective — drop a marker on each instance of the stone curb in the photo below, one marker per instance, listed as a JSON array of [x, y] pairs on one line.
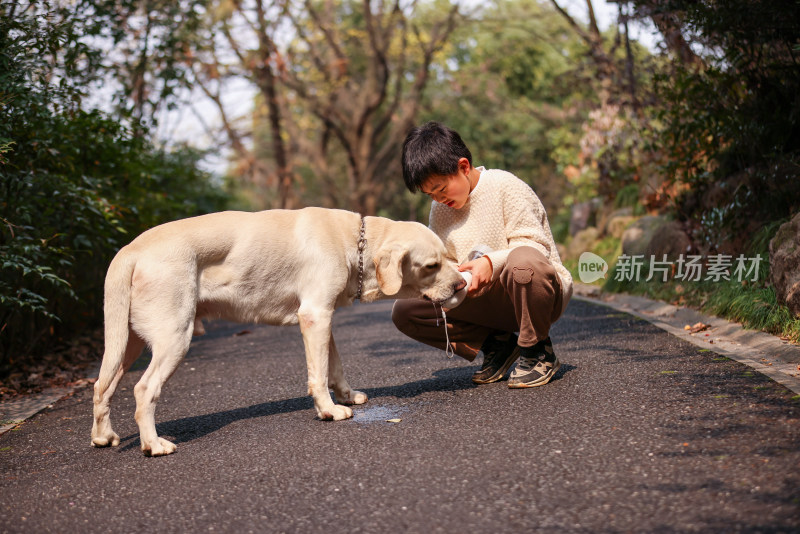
[[767, 354], [15, 412]]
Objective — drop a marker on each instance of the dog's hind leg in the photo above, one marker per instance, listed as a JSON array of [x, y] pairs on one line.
[[315, 324], [168, 351], [337, 382], [102, 433]]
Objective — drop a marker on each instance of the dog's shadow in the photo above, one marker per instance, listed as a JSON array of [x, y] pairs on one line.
[[189, 429]]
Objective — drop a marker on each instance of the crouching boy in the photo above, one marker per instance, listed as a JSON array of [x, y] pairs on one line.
[[519, 287]]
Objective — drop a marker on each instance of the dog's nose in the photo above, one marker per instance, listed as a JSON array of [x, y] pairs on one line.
[[461, 284]]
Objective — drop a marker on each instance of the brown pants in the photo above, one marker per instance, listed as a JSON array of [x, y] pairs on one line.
[[525, 298]]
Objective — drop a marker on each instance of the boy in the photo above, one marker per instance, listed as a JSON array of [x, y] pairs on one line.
[[519, 286]]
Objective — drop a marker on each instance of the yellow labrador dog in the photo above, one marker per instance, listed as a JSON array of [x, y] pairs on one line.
[[276, 267]]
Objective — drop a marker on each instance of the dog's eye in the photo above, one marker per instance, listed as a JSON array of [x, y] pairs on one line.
[[432, 266]]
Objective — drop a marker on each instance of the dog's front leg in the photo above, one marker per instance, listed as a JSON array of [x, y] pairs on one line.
[[315, 324], [338, 383]]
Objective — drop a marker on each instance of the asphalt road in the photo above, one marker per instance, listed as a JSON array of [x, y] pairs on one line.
[[640, 432]]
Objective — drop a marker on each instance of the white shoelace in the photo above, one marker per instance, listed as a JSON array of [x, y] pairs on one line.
[[449, 351]]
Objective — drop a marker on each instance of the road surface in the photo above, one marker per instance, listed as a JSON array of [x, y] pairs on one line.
[[640, 432]]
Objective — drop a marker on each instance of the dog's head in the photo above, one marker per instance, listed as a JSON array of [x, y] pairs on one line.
[[411, 263]]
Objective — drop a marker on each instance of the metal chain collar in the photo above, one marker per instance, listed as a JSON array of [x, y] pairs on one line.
[[362, 244]]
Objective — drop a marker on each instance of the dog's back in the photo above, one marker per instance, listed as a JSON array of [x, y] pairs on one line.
[[247, 267]]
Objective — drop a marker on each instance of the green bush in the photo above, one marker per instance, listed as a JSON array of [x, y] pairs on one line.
[[75, 186], [731, 131]]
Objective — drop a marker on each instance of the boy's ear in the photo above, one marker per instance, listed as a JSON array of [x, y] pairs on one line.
[[464, 165], [389, 267]]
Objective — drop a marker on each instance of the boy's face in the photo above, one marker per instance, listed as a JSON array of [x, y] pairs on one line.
[[452, 190]]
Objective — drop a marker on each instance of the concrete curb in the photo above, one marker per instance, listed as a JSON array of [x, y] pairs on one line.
[[767, 354], [15, 412]]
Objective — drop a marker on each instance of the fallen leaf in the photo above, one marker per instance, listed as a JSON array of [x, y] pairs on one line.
[[697, 327], [393, 420], [242, 333]]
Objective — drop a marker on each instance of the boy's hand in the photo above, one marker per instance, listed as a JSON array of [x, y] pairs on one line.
[[481, 269]]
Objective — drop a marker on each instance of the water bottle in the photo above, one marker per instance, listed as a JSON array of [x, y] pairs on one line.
[[459, 296]]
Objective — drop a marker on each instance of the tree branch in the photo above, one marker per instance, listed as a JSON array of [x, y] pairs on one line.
[[330, 38]]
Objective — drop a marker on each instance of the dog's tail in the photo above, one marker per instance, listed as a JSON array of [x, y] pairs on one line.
[[116, 309]]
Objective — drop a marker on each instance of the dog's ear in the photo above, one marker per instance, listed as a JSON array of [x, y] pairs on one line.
[[389, 268]]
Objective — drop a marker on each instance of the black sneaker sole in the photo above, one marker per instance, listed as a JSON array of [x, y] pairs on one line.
[[544, 379], [500, 372]]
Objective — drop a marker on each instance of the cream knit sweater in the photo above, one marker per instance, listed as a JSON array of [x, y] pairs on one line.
[[502, 213]]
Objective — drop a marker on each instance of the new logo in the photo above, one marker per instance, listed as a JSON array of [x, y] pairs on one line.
[[591, 267]]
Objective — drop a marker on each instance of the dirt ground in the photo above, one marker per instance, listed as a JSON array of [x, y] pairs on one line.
[[67, 365]]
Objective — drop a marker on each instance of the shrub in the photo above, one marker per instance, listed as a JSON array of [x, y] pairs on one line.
[[75, 185]]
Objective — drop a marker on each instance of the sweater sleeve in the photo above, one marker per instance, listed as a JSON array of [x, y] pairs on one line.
[[526, 224]]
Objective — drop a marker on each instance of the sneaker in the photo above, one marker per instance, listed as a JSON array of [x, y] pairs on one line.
[[536, 366], [499, 352]]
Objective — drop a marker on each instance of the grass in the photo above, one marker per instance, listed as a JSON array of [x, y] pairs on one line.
[[752, 305]]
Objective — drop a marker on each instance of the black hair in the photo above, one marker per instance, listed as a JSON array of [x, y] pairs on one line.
[[432, 149]]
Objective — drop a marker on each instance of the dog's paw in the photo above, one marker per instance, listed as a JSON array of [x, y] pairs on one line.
[[161, 448], [350, 397], [111, 440], [353, 397], [335, 413]]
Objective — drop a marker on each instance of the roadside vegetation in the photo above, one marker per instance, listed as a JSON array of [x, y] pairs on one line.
[[310, 100], [725, 145], [751, 303], [76, 184]]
